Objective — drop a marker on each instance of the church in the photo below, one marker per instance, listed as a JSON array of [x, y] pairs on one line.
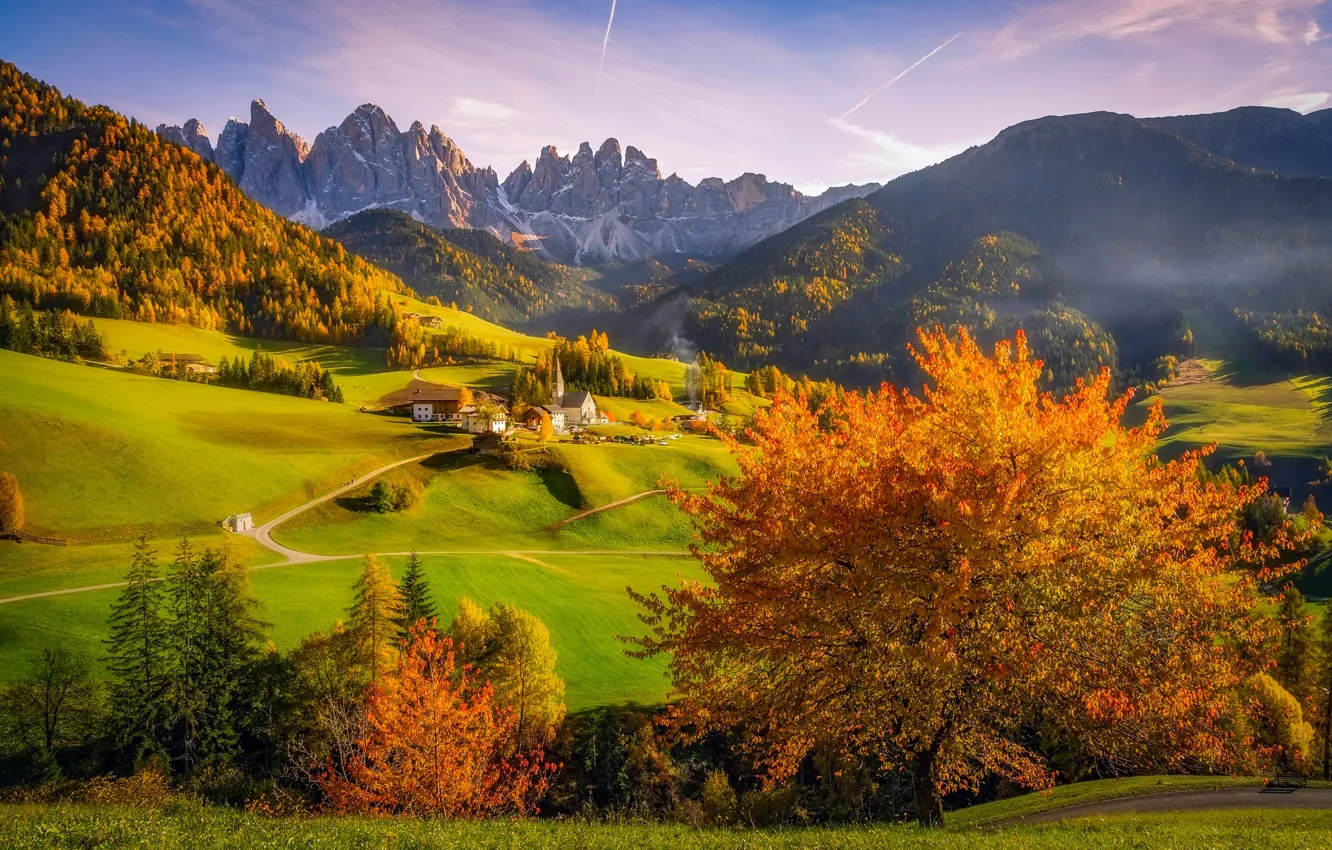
[[578, 406]]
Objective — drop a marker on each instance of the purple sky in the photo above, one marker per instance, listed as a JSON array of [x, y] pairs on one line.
[[708, 87]]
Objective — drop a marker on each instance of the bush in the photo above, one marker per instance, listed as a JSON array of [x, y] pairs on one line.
[[718, 799], [782, 806], [395, 495]]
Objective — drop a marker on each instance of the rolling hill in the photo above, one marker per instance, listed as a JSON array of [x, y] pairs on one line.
[[469, 268]]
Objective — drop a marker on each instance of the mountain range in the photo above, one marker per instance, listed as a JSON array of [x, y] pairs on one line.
[[592, 207], [1094, 232]]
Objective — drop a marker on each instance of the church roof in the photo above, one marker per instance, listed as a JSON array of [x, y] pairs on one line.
[[575, 398]]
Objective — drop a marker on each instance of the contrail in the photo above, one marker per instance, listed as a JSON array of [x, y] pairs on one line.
[[887, 84], [604, 41]]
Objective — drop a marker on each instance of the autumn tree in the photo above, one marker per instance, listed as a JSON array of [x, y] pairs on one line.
[[330, 684], [926, 576], [511, 649], [11, 506], [546, 429], [434, 745], [374, 616], [417, 603], [465, 397]]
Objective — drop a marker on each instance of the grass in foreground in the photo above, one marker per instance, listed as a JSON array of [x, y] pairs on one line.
[[26, 826]]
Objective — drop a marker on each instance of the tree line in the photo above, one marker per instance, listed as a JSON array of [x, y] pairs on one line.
[[48, 333], [264, 373]]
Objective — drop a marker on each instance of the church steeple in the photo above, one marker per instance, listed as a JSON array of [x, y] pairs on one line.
[[559, 384]]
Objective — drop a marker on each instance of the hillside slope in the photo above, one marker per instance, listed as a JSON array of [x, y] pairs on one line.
[[1114, 222], [100, 215], [469, 268]]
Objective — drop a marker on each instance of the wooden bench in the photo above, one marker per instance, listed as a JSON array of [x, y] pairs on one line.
[[1287, 782]]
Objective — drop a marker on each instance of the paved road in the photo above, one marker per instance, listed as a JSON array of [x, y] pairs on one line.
[[264, 533], [1187, 801]]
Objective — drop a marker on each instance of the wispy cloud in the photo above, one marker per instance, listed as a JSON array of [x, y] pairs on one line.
[[895, 155], [1305, 101], [473, 112], [1069, 21]]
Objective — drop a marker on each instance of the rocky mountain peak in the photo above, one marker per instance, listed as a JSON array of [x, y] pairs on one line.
[[193, 136], [596, 205]]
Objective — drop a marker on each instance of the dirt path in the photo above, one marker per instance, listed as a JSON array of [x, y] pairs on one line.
[[1186, 801], [587, 513]]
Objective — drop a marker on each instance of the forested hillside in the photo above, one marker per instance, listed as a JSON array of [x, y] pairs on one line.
[[101, 216], [470, 268], [1091, 232]]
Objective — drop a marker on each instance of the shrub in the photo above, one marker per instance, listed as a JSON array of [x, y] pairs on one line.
[[394, 495], [718, 799], [11, 505]]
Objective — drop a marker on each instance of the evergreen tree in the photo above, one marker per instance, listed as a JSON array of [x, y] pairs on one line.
[[1325, 691], [417, 603], [136, 657], [374, 616], [1295, 657]]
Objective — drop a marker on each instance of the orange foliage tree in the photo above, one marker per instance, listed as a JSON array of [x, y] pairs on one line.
[[434, 745], [928, 577]]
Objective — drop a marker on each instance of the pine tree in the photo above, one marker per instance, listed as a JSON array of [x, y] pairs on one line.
[[374, 616], [1325, 691], [136, 656], [1295, 656], [417, 603]]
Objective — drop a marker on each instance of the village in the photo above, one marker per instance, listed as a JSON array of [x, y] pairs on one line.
[[571, 413]]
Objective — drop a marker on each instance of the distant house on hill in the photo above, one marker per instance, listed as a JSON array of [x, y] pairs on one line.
[[476, 421], [442, 404], [425, 321], [532, 419], [239, 522], [488, 443], [186, 363]]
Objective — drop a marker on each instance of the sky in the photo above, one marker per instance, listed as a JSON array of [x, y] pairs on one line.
[[809, 93]]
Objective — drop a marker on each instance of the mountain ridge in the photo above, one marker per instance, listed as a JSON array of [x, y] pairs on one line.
[[585, 208]]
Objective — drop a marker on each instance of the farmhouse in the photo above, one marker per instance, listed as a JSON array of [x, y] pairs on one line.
[[437, 404], [477, 421], [425, 321], [532, 419]]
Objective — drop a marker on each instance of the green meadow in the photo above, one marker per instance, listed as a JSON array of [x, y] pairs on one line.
[[103, 456]]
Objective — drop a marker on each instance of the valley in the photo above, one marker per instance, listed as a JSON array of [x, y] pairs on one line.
[[345, 485]]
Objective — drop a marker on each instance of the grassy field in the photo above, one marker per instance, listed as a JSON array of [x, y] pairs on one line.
[[105, 455], [581, 598], [473, 503], [196, 826]]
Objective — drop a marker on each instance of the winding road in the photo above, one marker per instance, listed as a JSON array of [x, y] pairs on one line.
[[263, 535]]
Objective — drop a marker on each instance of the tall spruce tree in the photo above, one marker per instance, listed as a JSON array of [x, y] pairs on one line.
[[1325, 691], [215, 638], [136, 657], [1295, 657], [417, 603]]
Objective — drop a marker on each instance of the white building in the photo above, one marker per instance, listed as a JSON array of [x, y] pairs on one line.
[[239, 522]]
